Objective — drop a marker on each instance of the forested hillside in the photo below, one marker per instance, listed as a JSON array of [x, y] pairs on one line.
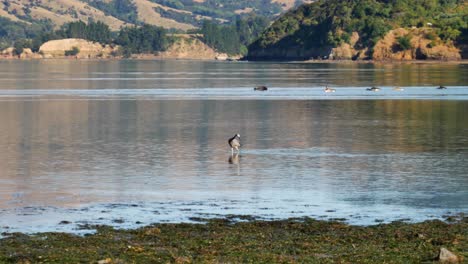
[[176, 14], [313, 30], [231, 39], [229, 26], [332, 29]]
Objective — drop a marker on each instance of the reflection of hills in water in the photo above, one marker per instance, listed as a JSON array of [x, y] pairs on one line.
[[95, 75], [238, 93]]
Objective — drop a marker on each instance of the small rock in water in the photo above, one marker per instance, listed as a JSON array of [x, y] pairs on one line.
[[445, 256], [64, 222]]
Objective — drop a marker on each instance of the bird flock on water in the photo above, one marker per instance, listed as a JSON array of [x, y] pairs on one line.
[[235, 143], [331, 90]]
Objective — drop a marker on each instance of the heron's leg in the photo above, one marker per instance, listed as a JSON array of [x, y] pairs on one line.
[[232, 151]]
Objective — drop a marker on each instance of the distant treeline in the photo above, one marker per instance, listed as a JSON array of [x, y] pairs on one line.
[[224, 36], [142, 39], [11, 31], [231, 39]]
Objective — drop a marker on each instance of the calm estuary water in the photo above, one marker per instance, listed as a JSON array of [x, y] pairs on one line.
[[129, 143]]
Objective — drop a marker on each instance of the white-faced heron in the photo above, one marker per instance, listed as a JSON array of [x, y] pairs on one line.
[[234, 142]]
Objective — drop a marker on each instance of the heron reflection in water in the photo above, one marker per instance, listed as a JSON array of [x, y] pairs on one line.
[[234, 159]]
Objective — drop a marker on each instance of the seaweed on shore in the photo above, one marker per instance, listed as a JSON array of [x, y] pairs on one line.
[[223, 240]]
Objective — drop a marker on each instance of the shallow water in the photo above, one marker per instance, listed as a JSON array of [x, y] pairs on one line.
[[129, 143]]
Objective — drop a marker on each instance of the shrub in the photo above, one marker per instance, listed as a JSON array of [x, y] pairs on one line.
[[431, 44], [74, 51], [405, 42], [431, 36], [20, 45]]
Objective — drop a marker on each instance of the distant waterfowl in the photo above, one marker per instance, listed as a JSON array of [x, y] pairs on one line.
[[398, 89], [441, 87], [260, 88], [329, 90], [373, 89], [234, 143]]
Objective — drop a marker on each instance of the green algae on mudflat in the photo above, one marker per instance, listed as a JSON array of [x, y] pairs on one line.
[[223, 240]]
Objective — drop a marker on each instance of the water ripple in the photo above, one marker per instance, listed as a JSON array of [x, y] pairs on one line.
[[239, 93]]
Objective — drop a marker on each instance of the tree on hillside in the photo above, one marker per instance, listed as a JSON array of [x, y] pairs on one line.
[[20, 45], [404, 42], [234, 38], [122, 9], [99, 32], [11, 31], [94, 31], [144, 39], [73, 52]]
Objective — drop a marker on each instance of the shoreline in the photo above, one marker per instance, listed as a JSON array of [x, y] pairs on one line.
[[147, 57], [247, 240]]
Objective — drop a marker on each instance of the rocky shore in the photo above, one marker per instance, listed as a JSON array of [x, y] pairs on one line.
[[188, 47], [184, 47], [224, 240]]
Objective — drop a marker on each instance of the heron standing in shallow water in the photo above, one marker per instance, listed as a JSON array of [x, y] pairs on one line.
[[234, 142]]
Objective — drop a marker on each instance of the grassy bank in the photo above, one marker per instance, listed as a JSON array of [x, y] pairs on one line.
[[223, 241]]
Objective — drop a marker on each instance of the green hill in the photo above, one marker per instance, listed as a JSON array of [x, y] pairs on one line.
[[314, 30], [178, 14], [25, 19]]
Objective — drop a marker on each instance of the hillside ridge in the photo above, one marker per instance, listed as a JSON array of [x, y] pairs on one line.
[[170, 14], [329, 29]]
